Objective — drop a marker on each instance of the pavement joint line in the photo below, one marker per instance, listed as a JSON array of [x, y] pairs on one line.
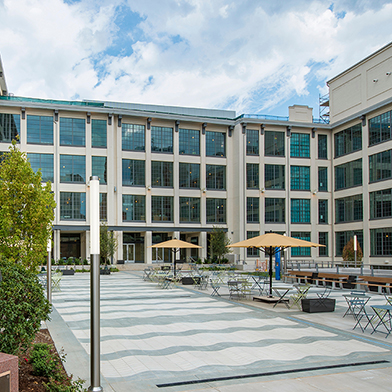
[[274, 373], [354, 335]]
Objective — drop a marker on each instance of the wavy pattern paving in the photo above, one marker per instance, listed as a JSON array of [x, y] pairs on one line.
[[164, 335]]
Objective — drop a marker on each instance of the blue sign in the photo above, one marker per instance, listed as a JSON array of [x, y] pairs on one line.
[[277, 263]]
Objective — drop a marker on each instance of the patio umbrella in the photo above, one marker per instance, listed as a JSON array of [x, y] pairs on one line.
[[175, 246], [269, 242]]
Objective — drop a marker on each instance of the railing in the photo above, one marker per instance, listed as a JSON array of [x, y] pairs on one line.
[[50, 101], [279, 118]]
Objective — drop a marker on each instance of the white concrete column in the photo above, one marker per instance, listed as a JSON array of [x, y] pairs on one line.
[[203, 243], [56, 245], [147, 250]]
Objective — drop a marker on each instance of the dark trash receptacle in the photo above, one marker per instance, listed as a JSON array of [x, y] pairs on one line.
[[351, 282], [318, 305], [68, 272], [312, 280]]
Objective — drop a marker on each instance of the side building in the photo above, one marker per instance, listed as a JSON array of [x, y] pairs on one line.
[[178, 172]]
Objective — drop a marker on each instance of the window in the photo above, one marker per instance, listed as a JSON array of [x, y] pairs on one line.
[[274, 176], [300, 178], [162, 139], [348, 140], [323, 240], [274, 143], [133, 208], [189, 175], [72, 205], [43, 162], [189, 209], [300, 210], [9, 127], [252, 210], [133, 172], [323, 211], [252, 142], [215, 144], [322, 147], [381, 242], [381, 204], [162, 174], [300, 145], [39, 130], [380, 166], [216, 177], [348, 209], [103, 206], [72, 132], [73, 168], [348, 175], [252, 252], [275, 210], [133, 137], [98, 133], [252, 175], [323, 179], [301, 251], [380, 128], [99, 168], [216, 210], [342, 237], [189, 141], [162, 208]]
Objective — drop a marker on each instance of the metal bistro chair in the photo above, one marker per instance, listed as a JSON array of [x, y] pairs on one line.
[[234, 289], [56, 279], [296, 298], [359, 313]]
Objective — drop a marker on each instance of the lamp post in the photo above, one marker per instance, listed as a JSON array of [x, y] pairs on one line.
[[355, 251], [49, 271], [94, 288]]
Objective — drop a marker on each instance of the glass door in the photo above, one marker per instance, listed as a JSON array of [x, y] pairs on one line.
[[129, 253]]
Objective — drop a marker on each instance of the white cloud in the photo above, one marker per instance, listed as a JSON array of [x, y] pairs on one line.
[[253, 54]]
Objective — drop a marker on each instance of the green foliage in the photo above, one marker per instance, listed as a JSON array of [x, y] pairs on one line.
[[348, 251], [44, 363], [22, 307], [47, 364], [27, 210], [108, 243], [218, 243]]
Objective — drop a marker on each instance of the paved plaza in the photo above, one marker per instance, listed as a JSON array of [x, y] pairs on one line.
[[183, 339]]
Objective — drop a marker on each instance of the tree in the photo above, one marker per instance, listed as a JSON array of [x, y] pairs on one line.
[[23, 306], [108, 243], [27, 210], [348, 251], [219, 241]]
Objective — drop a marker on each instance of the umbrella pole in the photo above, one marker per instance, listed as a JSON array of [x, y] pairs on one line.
[[270, 271]]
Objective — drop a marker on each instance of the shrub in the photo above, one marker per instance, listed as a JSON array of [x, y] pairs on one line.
[[44, 363], [23, 306]]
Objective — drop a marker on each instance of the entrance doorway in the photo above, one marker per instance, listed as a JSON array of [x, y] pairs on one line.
[[129, 253]]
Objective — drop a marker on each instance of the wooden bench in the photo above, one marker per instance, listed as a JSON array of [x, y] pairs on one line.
[[377, 284], [300, 276], [331, 279]]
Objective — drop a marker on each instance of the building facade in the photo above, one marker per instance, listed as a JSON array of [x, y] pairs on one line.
[[170, 172]]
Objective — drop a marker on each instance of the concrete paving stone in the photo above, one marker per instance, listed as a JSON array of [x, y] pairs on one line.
[[149, 335]]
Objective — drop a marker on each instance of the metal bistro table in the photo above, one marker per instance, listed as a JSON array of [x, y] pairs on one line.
[[383, 312], [281, 292], [355, 300]]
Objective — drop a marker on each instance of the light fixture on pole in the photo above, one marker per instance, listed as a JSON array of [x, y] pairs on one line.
[[49, 270], [355, 251], [94, 288]]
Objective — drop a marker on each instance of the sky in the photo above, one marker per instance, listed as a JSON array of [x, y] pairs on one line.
[[252, 56]]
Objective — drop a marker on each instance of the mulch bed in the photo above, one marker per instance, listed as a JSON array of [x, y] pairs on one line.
[[27, 381]]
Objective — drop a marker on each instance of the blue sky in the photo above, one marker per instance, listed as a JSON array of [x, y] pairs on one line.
[[253, 56]]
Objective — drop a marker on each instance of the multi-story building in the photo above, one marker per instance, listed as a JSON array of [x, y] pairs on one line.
[[177, 172]]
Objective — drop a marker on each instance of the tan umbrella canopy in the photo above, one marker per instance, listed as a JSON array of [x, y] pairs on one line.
[[175, 245], [269, 242]]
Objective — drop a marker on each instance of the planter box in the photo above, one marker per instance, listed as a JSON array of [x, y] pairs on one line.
[[318, 305], [104, 272], [68, 272], [189, 281]]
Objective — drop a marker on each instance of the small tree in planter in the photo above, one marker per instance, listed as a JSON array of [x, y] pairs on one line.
[[348, 251], [218, 243], [108, 244]]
